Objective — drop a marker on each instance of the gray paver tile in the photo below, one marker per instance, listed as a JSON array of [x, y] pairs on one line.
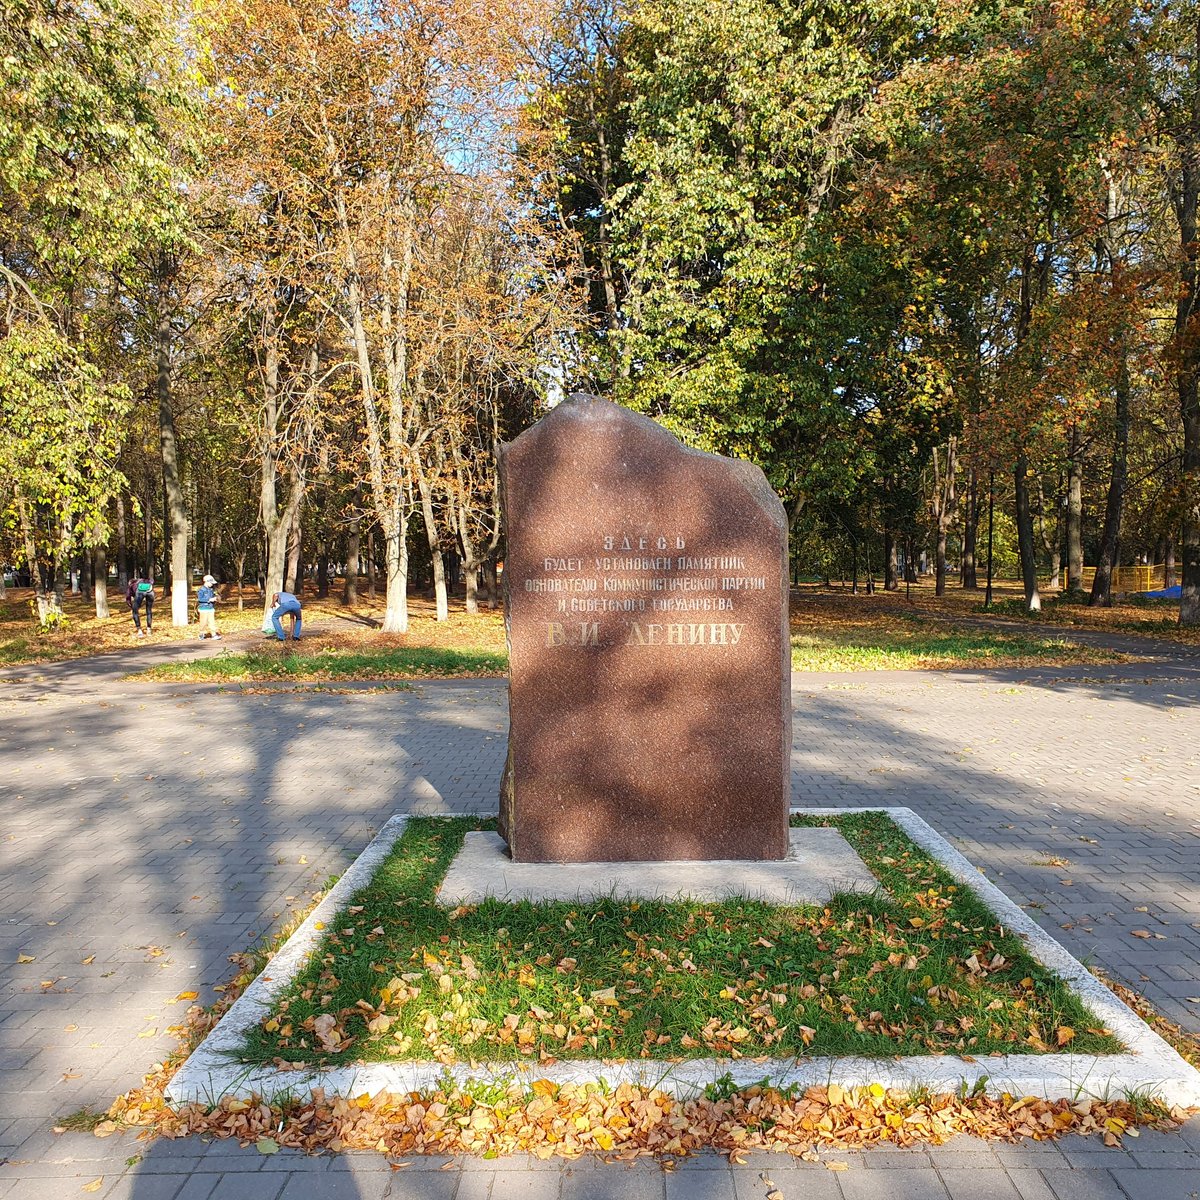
[[893, 1160], [514, 1186], [132, 1186], [1160, 1185], [1083, 1185], [401, 1187], [701, 1185], [1089, 1156], [477, 1185], [946, 1159], [1041, 1155], [198, 1187], [262, 1185], [990, 1183], [811, 1183], [1165, 1160], [921, 1183], [1030, 1185], [642, 1181]]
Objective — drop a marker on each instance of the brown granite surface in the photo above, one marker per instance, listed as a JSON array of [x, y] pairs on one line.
[[646, 589]]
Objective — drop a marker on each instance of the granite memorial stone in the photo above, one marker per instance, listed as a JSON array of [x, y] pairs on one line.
[[647, 605]]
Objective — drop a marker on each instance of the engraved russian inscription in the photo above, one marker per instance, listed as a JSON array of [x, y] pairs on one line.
[[646, 594]]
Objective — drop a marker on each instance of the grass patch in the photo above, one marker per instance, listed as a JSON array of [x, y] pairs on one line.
[[83, 1120], [334, 663], [920, 967], [910, 644]]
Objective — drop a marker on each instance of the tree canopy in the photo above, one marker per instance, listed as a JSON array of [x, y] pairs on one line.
[[277, 277]]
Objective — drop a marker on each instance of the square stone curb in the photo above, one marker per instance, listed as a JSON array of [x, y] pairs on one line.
[[1149, 1064]]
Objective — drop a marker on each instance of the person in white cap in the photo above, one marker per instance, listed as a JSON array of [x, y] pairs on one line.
[[206, 607]]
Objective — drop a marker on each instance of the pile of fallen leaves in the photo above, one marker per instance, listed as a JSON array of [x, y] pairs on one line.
[[547, 1119]]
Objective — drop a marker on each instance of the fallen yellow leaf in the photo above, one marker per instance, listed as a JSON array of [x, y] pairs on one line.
[[26, 958], [94, 1186]]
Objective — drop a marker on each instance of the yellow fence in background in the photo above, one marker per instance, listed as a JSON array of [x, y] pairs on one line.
[[1127, 579]]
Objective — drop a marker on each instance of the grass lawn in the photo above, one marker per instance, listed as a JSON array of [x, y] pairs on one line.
[[338, 662], [919, 967]]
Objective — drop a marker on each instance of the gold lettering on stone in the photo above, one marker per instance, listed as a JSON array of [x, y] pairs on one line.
[[589, 633], [717, 634], [555, 635]]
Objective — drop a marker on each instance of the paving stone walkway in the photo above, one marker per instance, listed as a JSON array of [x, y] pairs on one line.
[[147, 832]]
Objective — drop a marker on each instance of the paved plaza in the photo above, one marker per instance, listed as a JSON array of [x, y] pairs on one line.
[[147, 832]]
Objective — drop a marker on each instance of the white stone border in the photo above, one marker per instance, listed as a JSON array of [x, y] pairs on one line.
[[1149, 1066]]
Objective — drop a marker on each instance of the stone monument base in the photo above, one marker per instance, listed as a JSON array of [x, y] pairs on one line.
[[820, 862]]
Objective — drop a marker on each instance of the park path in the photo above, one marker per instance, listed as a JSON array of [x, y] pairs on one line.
[[147, 832]]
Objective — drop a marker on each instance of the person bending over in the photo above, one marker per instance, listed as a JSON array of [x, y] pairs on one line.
[[285, 604], [139, 593]]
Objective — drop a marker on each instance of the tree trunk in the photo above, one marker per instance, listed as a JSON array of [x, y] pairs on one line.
[[1075, 513], [432, 536], [45, 600], [1187, 342], [490, 582], [277, 520], [371, 564], [277, 540], [176, 514], [100, 573], [943, 508], [1051, 542], [891, 578], [292, 581], [1110, 539], [1169, 564], [353, 549], [122, 549], [241, 575], [1025, 547], [395, 617], [968, 573], [323, 568]]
